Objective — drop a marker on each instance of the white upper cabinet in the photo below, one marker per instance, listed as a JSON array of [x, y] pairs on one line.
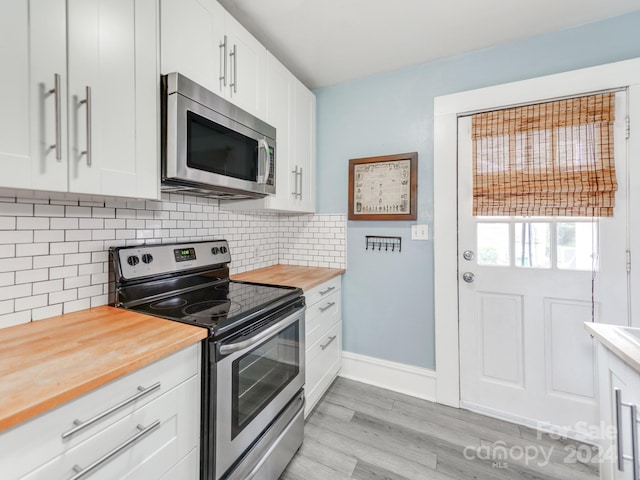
[[304, 149], [245, 68], [191, 36], [291, 109], [113, 97], [97, 133], [33, 148], [203, 42]]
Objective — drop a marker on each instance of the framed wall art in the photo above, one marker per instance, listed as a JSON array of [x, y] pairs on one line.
[[384, 188]]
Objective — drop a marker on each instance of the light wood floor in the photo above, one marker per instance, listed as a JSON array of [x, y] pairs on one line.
[[362, 432]]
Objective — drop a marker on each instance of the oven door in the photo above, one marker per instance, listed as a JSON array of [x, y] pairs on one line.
[[257, 376]]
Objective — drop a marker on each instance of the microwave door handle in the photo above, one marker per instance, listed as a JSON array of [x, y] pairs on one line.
[[262, 143]]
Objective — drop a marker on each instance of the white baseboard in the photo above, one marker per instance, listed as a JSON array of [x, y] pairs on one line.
[[398, 377]]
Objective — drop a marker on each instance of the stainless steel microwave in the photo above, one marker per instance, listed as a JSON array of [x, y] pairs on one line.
[[211, 147]]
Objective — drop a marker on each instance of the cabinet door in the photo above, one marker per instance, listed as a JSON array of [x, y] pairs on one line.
[[246, 63], [304, 151], [32, 52], [192, 41], [279, 106], [113, 97]]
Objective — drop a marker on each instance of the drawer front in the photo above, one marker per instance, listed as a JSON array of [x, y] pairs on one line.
[[322, 291], [323, 354], [154, 453], [40, 439], [316, 326]]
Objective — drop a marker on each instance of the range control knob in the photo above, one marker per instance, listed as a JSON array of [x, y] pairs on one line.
[[215, 250], [147, 258], [223, 249], [133, 260]]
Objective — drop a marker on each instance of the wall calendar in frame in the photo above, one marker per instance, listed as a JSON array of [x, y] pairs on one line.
[[384, 188]]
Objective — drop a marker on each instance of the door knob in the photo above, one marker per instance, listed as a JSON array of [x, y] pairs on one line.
[[468, 277], [468, 255]]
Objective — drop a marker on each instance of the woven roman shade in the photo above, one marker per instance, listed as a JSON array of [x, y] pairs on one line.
[[547, 159]]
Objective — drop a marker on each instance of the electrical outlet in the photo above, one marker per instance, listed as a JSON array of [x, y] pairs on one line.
[[419, 232]]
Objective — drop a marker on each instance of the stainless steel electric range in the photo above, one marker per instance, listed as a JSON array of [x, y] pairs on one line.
[[253, 359]]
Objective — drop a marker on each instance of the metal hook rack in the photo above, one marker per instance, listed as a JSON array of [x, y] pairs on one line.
[[387, 244]]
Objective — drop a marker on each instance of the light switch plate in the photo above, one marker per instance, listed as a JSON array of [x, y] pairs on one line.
[[419, 232]]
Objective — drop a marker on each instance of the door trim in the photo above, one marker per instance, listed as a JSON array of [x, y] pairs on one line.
[[446, 111]]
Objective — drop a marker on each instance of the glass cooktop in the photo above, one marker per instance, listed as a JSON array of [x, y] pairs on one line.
[[219, 306]]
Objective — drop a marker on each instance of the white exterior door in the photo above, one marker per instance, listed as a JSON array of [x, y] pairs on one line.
[[526, 287]]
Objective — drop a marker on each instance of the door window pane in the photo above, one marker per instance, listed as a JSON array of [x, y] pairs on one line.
[[577, 244], [493, 243], [533, 245]]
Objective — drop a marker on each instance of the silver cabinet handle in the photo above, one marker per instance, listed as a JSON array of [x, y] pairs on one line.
[[619, 446], [331, 339], [300, 194], [81, 472], [295, 182], [80, 425], [327, 306], [234, 84], [87, 101], [324, 292], [223, 68], [57, 97]]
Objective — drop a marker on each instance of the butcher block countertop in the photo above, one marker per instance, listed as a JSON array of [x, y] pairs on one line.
[[290, 275], [46, 363], [622, 341]]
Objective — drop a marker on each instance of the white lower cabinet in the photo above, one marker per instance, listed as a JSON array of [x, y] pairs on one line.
[[323, 340], [145, 425], [615, 374]]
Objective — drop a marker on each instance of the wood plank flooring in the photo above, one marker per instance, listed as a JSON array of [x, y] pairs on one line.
[[362, 432]]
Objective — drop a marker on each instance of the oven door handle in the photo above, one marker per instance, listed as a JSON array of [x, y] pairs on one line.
[[237, 346]]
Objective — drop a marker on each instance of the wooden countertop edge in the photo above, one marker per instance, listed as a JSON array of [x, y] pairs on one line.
[[300, 276], [188, 336], [611, 336]]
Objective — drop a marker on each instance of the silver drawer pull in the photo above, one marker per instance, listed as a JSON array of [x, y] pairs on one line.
[[80, 425], [81, 472], [331, 339], [327, 306], [324, 292]]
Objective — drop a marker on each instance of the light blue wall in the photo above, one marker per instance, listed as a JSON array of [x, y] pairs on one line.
[[388, 298]]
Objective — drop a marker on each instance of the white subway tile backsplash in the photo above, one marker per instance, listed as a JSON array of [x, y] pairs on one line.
[[7, 223], [31, 276], [48, 210], [46, 312], [7, 278], [31, 249], [17, 318], [15, 264], [63, 272], [15, 291], [16, 209], [48, 286], [54, 259], [28, 303], [17, 236], [6, 306]]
